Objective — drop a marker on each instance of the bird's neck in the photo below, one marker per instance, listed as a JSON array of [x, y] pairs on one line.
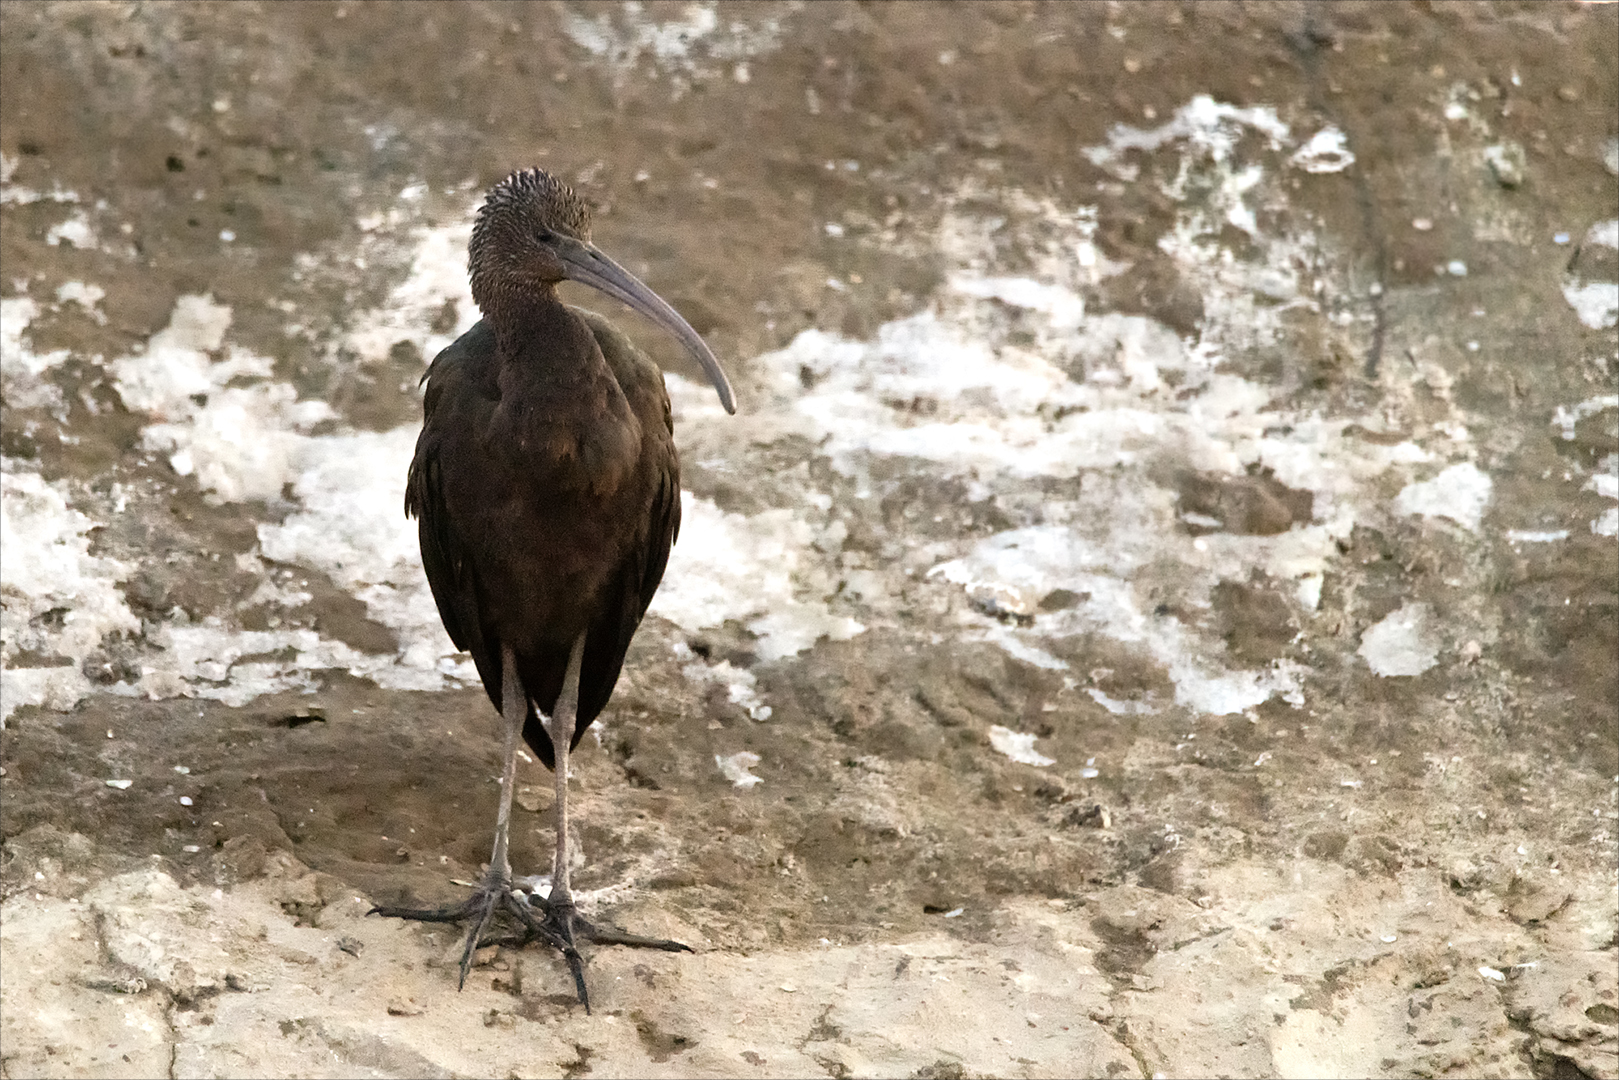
[[516, 317], [560, 400], [544, 344]]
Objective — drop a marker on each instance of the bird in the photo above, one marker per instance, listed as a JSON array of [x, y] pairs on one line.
[[546, 489]]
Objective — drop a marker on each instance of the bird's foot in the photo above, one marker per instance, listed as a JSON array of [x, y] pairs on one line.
[[493, 896], [555, 921], [563, 924]]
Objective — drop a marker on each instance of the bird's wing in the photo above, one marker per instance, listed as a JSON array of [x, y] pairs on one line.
[[663, 531], [642, 383], [461, 393], [449, 571]]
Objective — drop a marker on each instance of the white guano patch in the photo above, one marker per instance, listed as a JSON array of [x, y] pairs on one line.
[[1327, 151], [351, 526], [76, 231], [87, 296], [1460, 493], [735, 768], [1212, 128], [1605, 482], [1006, 380], [22, 370], [1595, 303], [241, 442], [740, 684], [749, 569], [1568, 417], [222, 419], [1017, 745], [1118, 707], [1404, 642], [437, 279], [684, 47], [47, 566], [20, 195]]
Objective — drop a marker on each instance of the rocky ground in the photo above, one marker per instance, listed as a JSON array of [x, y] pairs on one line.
[[1156, 610]]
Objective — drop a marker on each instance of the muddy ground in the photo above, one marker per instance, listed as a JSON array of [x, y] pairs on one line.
[[1163, 568]]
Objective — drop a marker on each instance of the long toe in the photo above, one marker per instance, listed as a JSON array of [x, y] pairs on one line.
[[495, 884], [607, 935], [455, 913], [490, 901], [561, 919], [493, 894]]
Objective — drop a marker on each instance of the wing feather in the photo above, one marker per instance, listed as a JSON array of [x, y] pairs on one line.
[[452, 377], [642, 570]]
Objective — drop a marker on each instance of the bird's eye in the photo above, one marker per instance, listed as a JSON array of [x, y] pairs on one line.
[[545, 236]]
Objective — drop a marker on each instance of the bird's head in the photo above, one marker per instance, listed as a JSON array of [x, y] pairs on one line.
[[516, 236], [534, 231]]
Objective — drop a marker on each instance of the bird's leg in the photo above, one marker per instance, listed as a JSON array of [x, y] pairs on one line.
[[559, 903], [497, 880], [563, 717], [561, 923], [562, 919], [494, 893]]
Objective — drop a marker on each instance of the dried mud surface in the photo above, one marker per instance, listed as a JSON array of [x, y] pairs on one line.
[[1383, 875]]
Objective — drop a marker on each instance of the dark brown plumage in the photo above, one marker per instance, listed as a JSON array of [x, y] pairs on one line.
[[547, 488], [554, 519]]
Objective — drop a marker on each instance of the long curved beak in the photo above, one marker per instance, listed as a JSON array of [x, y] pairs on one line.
[[586, 264]]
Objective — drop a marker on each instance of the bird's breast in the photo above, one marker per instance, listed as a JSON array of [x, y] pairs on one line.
[[555, 455]]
